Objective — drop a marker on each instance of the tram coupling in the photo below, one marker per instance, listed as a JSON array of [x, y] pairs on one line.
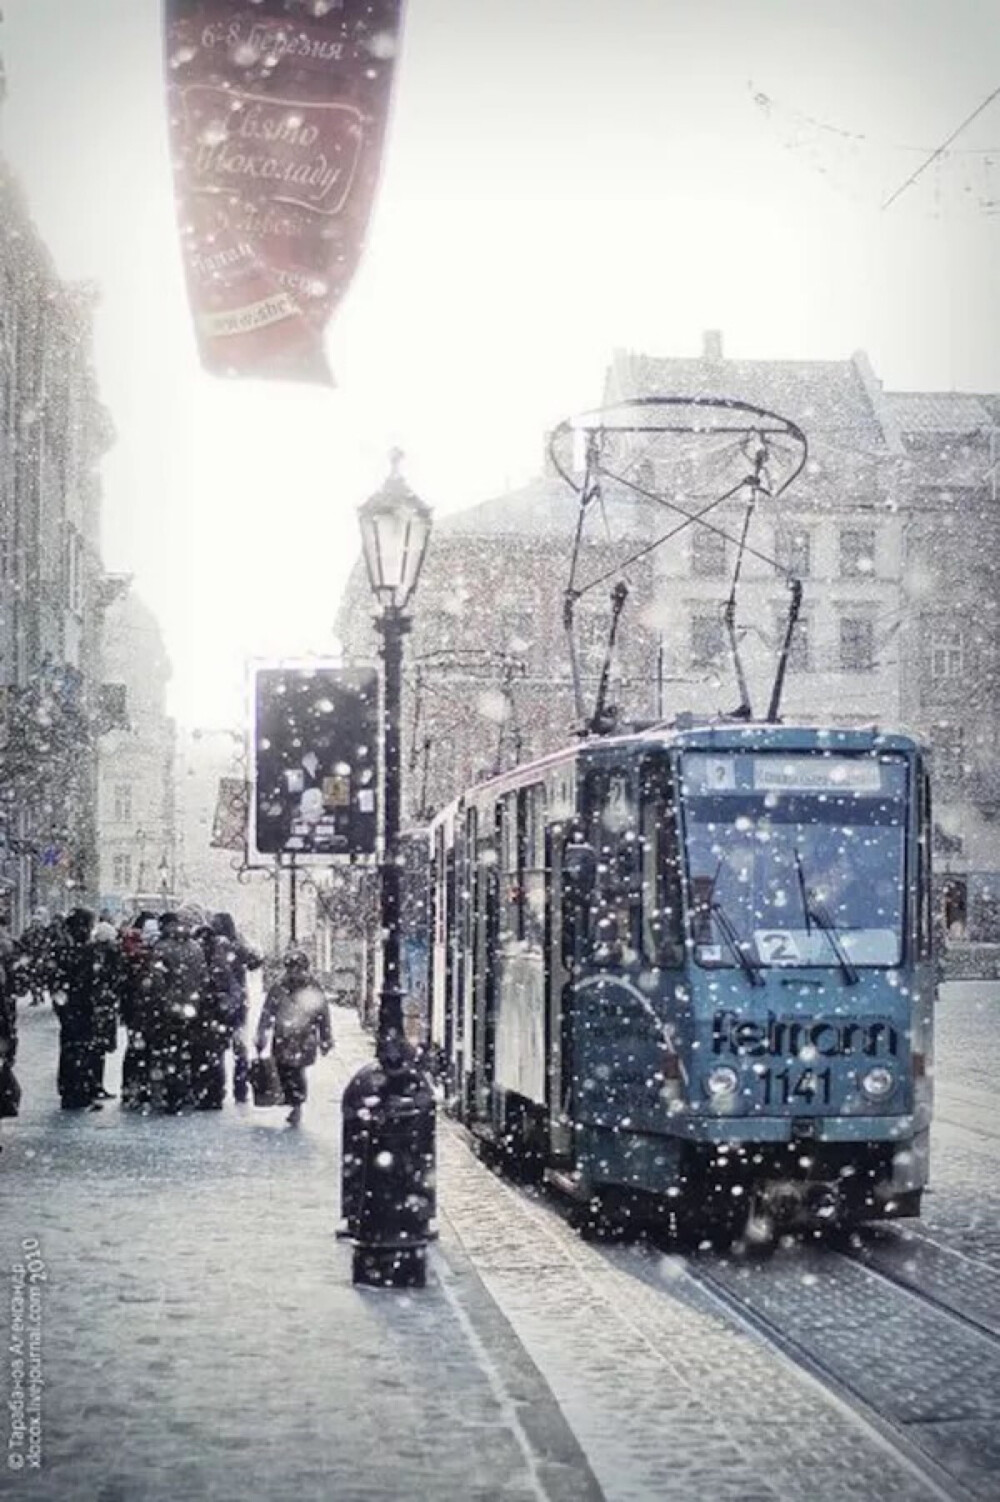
[[791, 1204]]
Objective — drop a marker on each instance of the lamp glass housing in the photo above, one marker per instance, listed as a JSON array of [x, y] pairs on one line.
[[395, 530]]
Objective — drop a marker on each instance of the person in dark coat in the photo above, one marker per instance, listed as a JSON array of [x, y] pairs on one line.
[[179, 986], [211, 1028], [240, 958], [80, 1054], [137, 942], [296, 1015], [35, 956]]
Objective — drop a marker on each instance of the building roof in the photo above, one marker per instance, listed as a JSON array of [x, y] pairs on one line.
[[938, 412], [545, 508], [827, 398]]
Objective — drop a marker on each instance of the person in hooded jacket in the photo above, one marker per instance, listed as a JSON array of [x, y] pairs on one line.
[[296, 1015], [240, 958], [80, 1055], [179, 987]]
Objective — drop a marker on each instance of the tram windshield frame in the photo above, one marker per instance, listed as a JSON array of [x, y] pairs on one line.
[[795, 859]]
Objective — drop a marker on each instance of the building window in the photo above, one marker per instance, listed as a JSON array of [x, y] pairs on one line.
[[857, 644], [73, 569], [708, 553], [947, 650], [519, 632], [6, 547], [122, 799], [800, 648], [122, 872], [592, 626], [857, 553], [793, 551], [645, 475], [708, 639], [948, 747]]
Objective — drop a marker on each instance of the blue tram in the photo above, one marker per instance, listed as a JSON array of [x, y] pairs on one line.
[[689, 971]]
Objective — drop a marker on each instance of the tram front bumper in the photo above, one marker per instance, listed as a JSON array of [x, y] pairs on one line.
[[744, 1130]]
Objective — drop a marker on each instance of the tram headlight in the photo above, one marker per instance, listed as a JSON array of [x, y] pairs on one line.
[[722, 1081], [878, 1083]]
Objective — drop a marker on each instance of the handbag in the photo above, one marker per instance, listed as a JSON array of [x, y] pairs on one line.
[[10, 1090], [265, 1081]]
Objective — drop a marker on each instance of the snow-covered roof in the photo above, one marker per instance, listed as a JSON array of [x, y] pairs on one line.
[[825, 397], [546, 507], [938, 411]]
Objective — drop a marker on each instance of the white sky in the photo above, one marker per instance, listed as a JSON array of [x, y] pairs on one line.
[[561, 177]]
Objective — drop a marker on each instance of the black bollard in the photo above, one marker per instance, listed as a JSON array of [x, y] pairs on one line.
[[388, 1194]]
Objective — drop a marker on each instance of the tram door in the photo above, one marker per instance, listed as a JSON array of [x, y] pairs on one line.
[[558, 946], [483, 947]]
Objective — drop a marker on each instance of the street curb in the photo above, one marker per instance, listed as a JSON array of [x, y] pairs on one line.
[[563, 1470]]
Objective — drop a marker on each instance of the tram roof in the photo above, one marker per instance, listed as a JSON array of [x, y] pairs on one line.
[[742, 735], [717, 735]]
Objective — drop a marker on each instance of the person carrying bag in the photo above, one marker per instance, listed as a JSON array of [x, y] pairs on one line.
[[296, 1015]]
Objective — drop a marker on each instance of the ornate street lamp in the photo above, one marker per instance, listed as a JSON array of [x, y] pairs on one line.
[[387, 1186], [395, 531]]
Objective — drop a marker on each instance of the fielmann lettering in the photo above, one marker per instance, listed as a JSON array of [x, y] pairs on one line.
[[785, 1037]]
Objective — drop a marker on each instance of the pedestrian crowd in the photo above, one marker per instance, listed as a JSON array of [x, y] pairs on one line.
[[177, 984]]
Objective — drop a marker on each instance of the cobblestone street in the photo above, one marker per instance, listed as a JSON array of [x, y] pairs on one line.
[[201, 1337]]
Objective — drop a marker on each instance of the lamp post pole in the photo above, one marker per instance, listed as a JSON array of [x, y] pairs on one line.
[[387, 1170], [392, 625]]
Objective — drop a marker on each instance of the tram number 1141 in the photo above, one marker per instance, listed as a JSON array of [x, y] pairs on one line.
[[782, 1087]]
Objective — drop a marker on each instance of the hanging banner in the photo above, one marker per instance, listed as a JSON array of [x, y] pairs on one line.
[[278, 111]]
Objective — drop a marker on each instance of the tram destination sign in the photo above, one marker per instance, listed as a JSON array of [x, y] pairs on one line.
[[774, 772], [315, 762]]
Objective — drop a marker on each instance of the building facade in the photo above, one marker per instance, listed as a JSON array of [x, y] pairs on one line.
[[951, 645], [135, 806], [487, 679], [53, 434], [892, 528], [837, 528]]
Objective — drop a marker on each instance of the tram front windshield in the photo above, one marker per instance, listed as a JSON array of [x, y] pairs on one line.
[[795, 859]]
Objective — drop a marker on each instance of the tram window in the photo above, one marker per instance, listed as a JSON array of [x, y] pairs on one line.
[[615, 904], [510, 868], [521, 824], [533, 873], [439, 882], [662, 924], [925, 906]]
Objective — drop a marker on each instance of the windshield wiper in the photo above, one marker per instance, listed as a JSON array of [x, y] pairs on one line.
[[826, 923], [802, 890], [732, 938], [815, 912]]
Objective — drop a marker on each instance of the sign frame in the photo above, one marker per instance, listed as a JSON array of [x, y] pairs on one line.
[[328, 785]]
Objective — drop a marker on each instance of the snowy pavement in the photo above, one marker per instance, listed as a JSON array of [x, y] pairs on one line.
[[200, 1337]]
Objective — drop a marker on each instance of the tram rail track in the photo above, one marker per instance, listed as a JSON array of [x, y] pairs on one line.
[[955, 1299], [919, 1378], [935, 1477]]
